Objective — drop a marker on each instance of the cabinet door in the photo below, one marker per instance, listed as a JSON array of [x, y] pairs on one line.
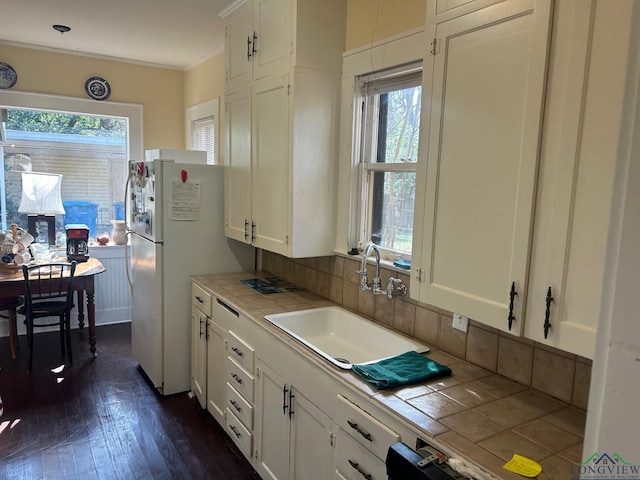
[[485, 84], [216, 374], [311, 441], [272, 424], [582, 121], [239, 46], [238, 172], [199, 356], [271, 158], [273, 24]]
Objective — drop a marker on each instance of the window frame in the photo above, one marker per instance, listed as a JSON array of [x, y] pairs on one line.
[[61, 104], [368, 88], [402, 49], [201, 111]]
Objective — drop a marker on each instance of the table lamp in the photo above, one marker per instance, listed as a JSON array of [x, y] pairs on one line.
[[41, 201]]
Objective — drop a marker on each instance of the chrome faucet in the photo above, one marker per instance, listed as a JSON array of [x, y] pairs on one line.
[[364, 281]]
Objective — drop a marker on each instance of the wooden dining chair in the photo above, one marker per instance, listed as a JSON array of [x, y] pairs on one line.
[[10, 305], [48, 294]]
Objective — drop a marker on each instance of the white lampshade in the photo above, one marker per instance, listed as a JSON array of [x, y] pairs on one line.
[[41, 194]]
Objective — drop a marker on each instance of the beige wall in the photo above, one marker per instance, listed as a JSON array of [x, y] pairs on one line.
[[160, 91], [205, 82], [369, 21]]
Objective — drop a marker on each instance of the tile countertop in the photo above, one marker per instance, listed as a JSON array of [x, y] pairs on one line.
[[483, 416]]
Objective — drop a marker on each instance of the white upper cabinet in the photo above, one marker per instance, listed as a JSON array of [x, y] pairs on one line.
[[266, 37], [515, 191], [483, 97], [238, 47], [580, 136], [281, 105]]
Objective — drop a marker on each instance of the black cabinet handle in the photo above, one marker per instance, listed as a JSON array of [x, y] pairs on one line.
[[236, 378], [359, 470], [237, 351], [199, 299], [235, 405], [547, 323], [512, 295], [201, 327], [249, 49], [291, 397], [235, 430], [367, 436], [284, 399], [254, 50]]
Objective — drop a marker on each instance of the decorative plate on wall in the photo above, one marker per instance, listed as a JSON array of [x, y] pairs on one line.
[[97, 88], [8, 76]]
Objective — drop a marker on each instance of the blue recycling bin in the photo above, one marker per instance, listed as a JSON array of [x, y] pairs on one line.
[[118, 210], [78, 211]]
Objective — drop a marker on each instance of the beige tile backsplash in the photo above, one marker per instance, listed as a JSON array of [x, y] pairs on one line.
[[557, 373]]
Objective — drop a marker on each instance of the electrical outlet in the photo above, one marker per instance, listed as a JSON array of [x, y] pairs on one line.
[[460, 323]]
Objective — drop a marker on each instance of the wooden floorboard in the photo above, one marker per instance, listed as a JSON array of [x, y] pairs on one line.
[[101, 419]]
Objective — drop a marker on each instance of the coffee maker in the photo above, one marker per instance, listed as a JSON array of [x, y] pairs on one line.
[[77, 242]]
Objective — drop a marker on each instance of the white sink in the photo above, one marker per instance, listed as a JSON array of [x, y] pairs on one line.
[[342, 337]]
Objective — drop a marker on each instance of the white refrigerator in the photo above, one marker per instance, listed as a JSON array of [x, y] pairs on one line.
[[175, 226]]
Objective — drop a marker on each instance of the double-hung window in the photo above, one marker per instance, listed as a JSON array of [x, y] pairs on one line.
[[388, 129]]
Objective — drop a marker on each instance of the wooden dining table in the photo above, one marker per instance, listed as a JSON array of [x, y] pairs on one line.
[[12, 284]]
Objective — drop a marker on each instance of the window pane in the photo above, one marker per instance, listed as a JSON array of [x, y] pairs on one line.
[[392, 195], [203, 136], [399, 126], [90, 153]]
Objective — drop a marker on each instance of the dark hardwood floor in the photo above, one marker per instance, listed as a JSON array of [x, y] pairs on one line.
[[100, 418]]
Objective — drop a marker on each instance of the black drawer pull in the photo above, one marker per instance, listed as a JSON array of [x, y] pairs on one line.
[[235, 430], [199, 299], [222, 304], [235, 405], [236, 378], [359, 470], [237, 351], [367, 436]]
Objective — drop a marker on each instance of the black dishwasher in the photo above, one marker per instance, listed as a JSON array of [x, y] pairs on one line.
[[404, 463]]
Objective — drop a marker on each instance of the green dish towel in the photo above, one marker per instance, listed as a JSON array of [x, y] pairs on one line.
[[404, 369]]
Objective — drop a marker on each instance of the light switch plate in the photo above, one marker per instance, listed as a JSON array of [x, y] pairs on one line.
[[460, 323]]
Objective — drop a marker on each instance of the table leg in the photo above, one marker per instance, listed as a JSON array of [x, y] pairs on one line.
[[80, 295], [91, 314]]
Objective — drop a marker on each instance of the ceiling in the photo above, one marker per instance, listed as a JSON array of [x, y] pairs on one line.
[[172, 33]]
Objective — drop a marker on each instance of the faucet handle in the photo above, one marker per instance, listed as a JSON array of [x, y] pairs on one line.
[[395, 288]]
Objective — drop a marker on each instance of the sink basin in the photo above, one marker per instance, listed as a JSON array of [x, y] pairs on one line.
[[342, 337]]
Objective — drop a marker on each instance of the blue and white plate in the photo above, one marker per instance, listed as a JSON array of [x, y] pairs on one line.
[[8, 76], [97, 88]]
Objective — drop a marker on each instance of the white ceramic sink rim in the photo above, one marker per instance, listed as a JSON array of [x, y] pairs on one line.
[[342, 337]]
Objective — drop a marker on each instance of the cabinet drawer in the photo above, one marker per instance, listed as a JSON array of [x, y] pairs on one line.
[[240, 407], [240, 351], [365, 429], [201, 298], [238, 433], [354, 462], [241, 380]]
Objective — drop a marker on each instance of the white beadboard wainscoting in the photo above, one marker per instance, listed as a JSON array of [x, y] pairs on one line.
[[112, 297]]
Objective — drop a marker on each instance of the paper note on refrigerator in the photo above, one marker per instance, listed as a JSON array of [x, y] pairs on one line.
[[184, 200]]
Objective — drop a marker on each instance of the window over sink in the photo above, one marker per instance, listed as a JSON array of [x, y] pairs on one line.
[[387, 134]]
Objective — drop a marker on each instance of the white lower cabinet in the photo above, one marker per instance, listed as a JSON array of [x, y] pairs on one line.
[[208, 351], [362, 443], [355, 462], [239, 392], [287, 415], [293, 436]]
